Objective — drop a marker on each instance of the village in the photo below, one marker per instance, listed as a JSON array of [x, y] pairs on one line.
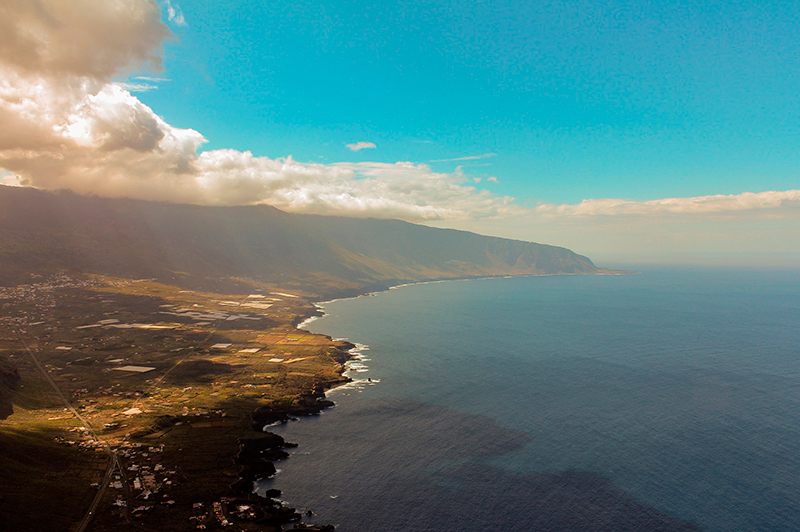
[[162, 382]]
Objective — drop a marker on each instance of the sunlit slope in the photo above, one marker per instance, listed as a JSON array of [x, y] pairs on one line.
[[42, 232]]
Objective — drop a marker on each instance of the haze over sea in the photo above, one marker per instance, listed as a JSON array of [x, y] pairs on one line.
[[667, 400]]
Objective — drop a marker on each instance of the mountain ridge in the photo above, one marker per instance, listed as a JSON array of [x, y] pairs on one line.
[[42, 232]]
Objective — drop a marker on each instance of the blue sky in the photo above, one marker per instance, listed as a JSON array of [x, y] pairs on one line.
[[629, 131], [638, 100]]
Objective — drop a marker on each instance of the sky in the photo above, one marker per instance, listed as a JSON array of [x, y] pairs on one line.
[[629, 131]]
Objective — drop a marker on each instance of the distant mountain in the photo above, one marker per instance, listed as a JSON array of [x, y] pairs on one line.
[[44, 232]]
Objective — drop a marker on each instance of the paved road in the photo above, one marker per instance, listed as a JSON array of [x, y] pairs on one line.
[[113, 461]]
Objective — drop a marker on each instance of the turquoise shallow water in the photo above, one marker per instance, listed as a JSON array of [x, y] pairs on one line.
[[666, 400]]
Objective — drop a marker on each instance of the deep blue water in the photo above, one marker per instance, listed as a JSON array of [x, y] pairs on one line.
[[666, 400]]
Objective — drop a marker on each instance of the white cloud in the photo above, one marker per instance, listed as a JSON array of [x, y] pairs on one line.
[[716, 204], [358, 146], [423, 193], [79, 38], [492, 179], [136, 87], [467, 158], [174, 14], [151, 79], [91, 135]]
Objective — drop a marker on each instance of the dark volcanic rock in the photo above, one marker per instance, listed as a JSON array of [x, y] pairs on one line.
[[308, 405], [314, 528], [9, 382], [255, 455]]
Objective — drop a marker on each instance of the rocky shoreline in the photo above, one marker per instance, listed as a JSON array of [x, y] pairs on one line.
[[256, 458]]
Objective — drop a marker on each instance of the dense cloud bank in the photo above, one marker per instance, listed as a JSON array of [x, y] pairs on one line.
[[68, 125]]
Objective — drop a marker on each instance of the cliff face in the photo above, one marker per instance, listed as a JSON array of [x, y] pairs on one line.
[[9, 382], [42, 232]]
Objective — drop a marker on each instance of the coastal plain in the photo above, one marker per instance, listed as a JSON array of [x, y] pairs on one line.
[[164, 382]]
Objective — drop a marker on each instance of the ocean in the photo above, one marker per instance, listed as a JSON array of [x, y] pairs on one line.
[[663, 400]]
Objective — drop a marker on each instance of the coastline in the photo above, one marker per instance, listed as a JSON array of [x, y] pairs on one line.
[[318, 304], [620, 381], [349, 422], [354, 352], [181, 382], [214, 381]]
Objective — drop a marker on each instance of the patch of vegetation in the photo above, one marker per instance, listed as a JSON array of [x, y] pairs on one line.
[[152, 365], [202, 370], [46, 485]]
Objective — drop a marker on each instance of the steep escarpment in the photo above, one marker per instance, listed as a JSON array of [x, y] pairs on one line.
[[42, 232]]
